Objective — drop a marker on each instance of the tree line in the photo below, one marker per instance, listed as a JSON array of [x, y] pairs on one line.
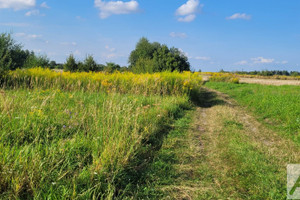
[[270, 73], [145, 58]]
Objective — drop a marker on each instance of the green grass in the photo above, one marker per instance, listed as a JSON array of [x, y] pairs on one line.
[[163, 171], [276, 106], [82, 145]]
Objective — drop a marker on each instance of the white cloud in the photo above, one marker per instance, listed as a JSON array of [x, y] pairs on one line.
[[32, 13], [239, 16], [20, 34], [17, 4], [190, 7], [242, 62], [14, 24], [110, 55], [187, 18], [262, 60], [202, 58], [69, 43], [284, 62], [188, 11], [34, 36], [28, 36], [77, 53], [116, 7], [110, 49], [44, 5], [179, 35]]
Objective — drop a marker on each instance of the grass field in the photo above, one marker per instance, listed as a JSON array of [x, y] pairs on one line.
[[276, 106], [104, 136], [60, 139]]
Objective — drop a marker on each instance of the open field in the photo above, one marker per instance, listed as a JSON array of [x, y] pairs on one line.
[[262, 81], [226, 152], [269, 81], [62, 137], [104, 136]]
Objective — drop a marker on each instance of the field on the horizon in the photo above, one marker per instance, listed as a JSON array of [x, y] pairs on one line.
[[145, 136]]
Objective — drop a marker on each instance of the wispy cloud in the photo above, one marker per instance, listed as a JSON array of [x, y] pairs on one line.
[[203, 58], [116, 7], [44, 5], [28, 36], [187, 11], [178, 35], [242, 62], [34, 36], [239, 16], [262, 60], [68, 43], [13, 24], [17, 4], [188, 18], [35, 12], [109, 48]]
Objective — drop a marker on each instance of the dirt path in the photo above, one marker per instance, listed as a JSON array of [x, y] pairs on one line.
[[231, 155]]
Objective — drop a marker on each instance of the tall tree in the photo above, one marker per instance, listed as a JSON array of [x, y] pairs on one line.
[[154, 57], [71, 64]]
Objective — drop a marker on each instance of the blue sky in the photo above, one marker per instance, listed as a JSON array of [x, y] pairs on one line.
[[214, 34]]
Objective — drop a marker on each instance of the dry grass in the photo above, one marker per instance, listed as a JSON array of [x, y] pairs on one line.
[[269, 81]]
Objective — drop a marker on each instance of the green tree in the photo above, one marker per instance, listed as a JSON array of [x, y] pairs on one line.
[[111, 67], [11, 54], [90, 64], [144, 65], [154, 57], [71, 64], [36, 61], [144, 49]]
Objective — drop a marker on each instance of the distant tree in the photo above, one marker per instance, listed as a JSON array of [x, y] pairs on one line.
[[143, 49], [144, 65], [90, 64], [112, 67], [71, 64], [295, 73], [52, 64], [154, 57], [36, 61]]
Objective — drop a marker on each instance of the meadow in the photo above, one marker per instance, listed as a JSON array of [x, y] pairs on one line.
[[276, 106], [81, 135], [88, 135]]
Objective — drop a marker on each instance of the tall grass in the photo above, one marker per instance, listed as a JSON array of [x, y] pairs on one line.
[[165, 83], [62, 145], [78, 135], [224, 77]]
